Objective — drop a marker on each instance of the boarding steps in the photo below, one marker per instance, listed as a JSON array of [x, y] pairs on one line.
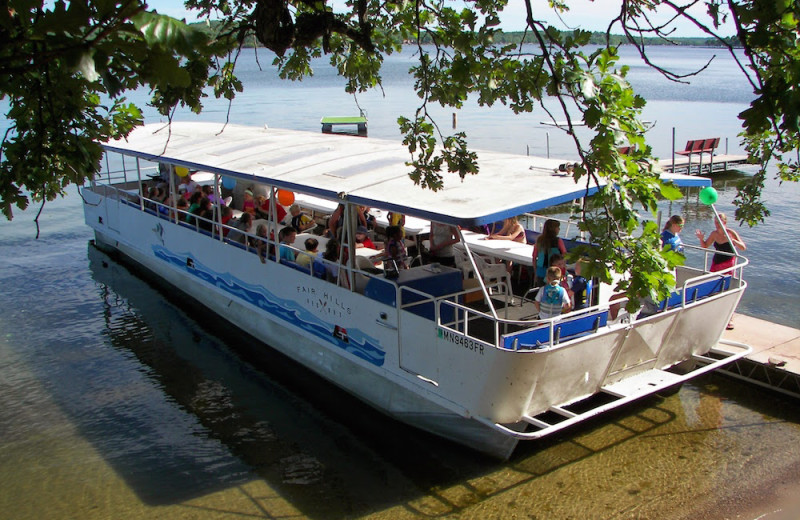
[[618, 394]]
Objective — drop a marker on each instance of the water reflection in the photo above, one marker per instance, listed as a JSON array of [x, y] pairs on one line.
[[241, 412]]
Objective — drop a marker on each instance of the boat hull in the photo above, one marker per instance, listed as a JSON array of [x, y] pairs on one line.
[[377, 386]]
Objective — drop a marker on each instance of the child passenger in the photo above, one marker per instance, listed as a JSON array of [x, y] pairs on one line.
[[552, 299], [300, 221], [395, 253], [580, 288]]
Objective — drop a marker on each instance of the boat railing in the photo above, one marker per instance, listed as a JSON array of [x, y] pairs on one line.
[[535, 222], [120, 171], [532, 334], [463, 318]]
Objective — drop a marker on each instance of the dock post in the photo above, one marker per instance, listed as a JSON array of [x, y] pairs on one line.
[[673, 149], [725, 165], [547, 135], [455, 120]]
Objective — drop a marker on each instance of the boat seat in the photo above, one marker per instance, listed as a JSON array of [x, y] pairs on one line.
[[696, 292], [463, 263], [567, 330], [295, 266], [493, 272]]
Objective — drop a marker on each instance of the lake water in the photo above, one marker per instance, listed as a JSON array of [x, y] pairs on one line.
[[119, 401]]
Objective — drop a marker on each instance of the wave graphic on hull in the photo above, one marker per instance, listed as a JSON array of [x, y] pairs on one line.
[[354, 342]]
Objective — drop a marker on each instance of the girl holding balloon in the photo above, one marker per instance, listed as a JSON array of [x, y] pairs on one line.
[[719, 237]]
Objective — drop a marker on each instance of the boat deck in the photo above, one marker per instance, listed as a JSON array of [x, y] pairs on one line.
[[775, 360], [706, 164]]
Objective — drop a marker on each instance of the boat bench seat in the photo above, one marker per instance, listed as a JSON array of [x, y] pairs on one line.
[[317, 269], [569, 329], [697, 292], [699, 146]]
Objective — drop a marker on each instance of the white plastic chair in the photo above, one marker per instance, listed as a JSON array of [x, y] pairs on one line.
[[463, 263], [491, 272]]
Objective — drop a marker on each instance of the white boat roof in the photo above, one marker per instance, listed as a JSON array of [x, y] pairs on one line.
[[366, 171]]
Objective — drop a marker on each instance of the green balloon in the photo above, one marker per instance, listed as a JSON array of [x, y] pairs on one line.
[[708, 195]]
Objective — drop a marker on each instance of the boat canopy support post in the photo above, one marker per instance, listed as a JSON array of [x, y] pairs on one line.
[[478, 275], [142, 194]]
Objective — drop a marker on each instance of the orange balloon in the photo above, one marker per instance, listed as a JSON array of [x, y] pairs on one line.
[[285, 197]]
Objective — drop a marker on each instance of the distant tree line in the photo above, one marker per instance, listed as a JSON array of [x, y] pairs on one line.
[[518, 37]]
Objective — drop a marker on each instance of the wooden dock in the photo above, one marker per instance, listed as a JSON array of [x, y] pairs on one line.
[[703, 164], [775, 360]]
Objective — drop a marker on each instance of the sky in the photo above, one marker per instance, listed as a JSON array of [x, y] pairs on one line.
[[591, 15]]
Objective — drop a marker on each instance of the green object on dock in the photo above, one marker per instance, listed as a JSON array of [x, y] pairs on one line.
[[329, 122], [343, 120]]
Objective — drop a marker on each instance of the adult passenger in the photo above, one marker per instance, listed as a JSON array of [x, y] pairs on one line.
[[263, 209], [261, 242], [244, 225], [722, 262], [547, 244], [331, 254], [306, 257], [511, 230], [443, 236], [335, 222], [287, 237]]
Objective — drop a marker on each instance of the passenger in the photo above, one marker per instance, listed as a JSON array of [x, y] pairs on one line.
[[261, 242], [194, 205], [206, 212], [287, 236], [722, 262], [552, 299], [670, 237], [395, 254], [368, 219], [227, 215], [547, 245], [511, 230], [579, 287], [443, 237], [300, 221], [249, 205], [335, 222], [306, 257], [362, 238], [397, 219], [262, 209], [566, 278], [187, 187], [244, 225], [183, 206], [331, 254]]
